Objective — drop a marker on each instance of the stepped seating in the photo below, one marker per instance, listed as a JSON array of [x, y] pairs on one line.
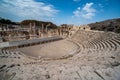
[[96, 60], [10, 54], [97, 40]]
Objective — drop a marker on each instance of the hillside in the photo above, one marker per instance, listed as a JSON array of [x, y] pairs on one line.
[[27, 23], [107, 25], [7, 21]]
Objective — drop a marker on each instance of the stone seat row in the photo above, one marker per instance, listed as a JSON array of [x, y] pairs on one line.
[[10, 54], [99, 40]]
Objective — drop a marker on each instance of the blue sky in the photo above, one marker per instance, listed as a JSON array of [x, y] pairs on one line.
[[75, 12]]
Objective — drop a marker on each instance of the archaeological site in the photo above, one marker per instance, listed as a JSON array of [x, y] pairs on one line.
[[64, 53], [59, 40]]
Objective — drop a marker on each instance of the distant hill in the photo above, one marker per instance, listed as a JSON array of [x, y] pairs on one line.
[[7, 21], [27, 23], [38, 23], [107, 25]]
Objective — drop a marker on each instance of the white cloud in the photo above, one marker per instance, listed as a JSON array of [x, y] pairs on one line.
[[78, 8], [86, 12], [77, 13], [27, 8], [76, 0], [88, 8], [88, 15]]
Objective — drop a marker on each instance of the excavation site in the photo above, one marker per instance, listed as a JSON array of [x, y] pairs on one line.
[[86, 55], [59, 40]]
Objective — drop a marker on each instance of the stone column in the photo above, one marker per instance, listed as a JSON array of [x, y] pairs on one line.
[[34, 29], [30, 26], [39, 32], [42, 30], [42, 27], [46, 28], [7, 28]]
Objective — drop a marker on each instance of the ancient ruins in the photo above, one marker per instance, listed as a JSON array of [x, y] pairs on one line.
[[65, 53]]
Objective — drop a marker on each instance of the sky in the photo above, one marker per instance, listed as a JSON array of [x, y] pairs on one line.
[[77, 12]]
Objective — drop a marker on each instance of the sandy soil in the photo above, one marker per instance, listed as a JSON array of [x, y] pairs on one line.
[[50, 50]]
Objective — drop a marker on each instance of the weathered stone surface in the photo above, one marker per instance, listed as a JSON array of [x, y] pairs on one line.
[[97, 58]]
